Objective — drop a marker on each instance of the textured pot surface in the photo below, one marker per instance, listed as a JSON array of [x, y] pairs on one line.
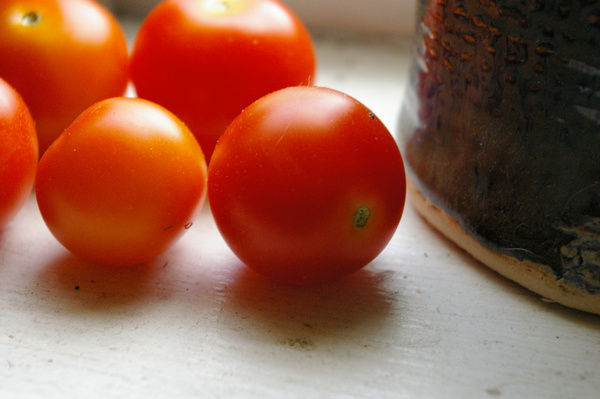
[[501, 128]]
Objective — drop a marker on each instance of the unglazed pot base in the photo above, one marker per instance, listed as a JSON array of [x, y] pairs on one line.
[[533, 276]]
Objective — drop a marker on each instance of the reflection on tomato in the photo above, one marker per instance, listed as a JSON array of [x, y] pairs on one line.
[[18, 152], [62, 56], [122, 182], [306, 185], [206, 60]]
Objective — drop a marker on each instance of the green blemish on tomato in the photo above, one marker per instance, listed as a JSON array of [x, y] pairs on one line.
[[361, 217], [31, 19]]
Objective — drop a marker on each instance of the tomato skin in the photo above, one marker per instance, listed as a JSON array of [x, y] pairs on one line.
[[18, 152], [62, 56], [291, 178], [206, 60], [122, 183]]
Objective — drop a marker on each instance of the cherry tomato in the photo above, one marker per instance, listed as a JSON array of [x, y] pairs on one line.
[[306, 185], [62, 56], [122, 182], [206, 60], [18, 152]]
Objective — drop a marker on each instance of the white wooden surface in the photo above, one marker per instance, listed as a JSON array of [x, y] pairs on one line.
[[422, 321]]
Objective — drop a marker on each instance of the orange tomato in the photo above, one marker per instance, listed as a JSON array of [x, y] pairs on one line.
[[122, 182], [18, 152], [306, 185], [207, 60], [62, 56]]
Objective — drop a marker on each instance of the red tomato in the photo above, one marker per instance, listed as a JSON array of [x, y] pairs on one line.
[[207, 60], [62, 56], [306, 185], [18, 152], [122, 182]]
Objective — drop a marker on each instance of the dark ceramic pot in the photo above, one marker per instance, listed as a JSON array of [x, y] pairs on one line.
[[500, 131]]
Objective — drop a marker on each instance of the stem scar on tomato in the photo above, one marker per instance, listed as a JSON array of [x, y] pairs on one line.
[[220, 5], [372, 115], [361, 217], [31, 18]]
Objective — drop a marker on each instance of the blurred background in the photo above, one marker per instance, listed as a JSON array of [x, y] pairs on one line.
[[387, 17]]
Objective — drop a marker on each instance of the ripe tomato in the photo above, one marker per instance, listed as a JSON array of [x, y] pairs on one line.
[[206, 60], [306, 185], [122, 182], [62, 56], [18, 152]]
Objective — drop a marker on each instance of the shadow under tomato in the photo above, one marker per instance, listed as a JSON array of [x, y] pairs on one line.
[[2, 249], [299, 316], [80, 285]]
